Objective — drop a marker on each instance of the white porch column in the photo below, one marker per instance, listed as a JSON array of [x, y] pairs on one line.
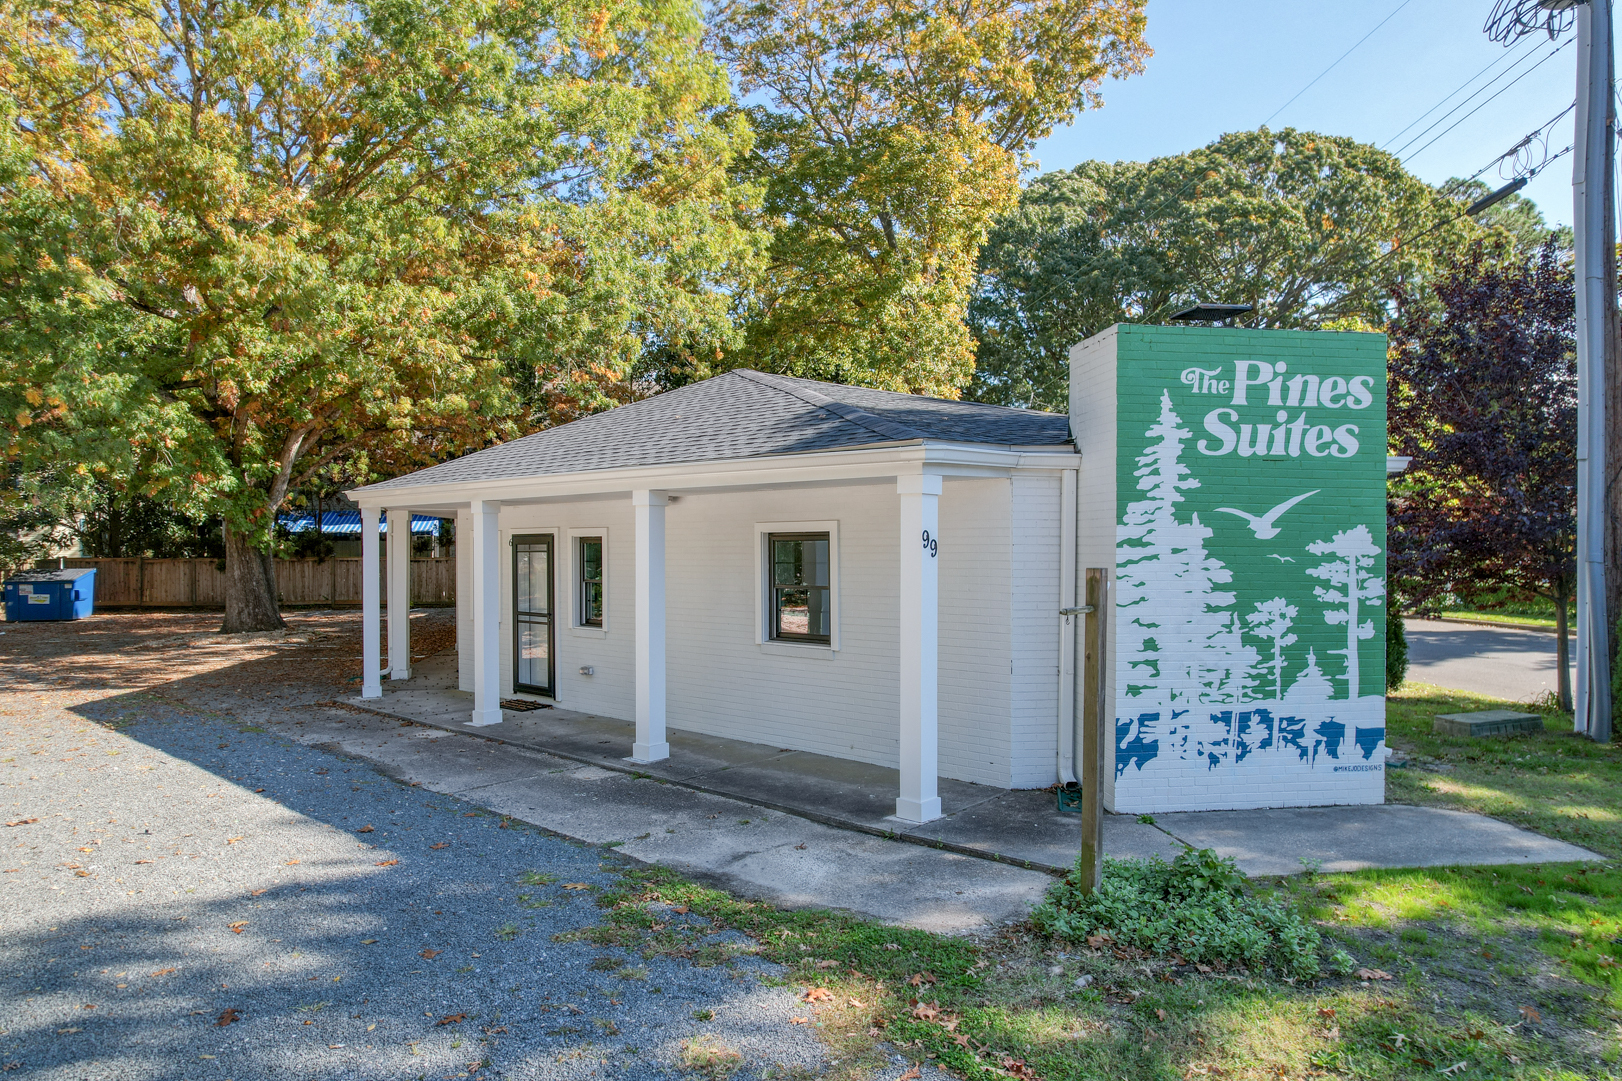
[[651, 744], [464, 601], [920, 654], [399, 572], [486, 550], [371, 626]]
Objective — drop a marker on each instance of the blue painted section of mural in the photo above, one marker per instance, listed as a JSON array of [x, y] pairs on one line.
[[1234, 736]]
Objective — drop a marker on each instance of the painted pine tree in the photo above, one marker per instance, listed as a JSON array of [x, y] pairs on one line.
[[1271, 621], [1350, 586], [1177, 647], [1311, 687]]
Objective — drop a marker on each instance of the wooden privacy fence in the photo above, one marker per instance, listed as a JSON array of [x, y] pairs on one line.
[[200, 583]]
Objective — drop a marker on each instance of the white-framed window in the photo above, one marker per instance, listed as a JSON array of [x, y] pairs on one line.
[[797, 587], [589, 581]]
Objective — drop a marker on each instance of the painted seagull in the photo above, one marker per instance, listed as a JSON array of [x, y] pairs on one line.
[[1281, 559], [1263, 526]]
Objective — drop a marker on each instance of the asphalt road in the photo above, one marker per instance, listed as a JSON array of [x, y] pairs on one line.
[[1503, 662]]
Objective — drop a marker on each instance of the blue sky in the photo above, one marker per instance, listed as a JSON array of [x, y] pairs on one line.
[[1222, 67]]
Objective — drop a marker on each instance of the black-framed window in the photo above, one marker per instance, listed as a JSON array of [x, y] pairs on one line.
[[589, 576], [799, 586]]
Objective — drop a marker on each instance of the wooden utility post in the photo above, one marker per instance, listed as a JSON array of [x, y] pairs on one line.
[[1093, 729]]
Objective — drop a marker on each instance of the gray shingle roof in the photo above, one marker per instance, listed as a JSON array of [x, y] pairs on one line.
[[743, 414]]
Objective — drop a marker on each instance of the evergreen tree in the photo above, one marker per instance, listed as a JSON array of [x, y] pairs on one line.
[[1188, 652]]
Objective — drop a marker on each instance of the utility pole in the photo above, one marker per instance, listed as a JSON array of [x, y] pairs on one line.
[[1596, 343]]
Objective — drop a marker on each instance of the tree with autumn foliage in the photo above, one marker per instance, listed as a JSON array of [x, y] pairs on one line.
[[1483, 397], [240, 243], [1309, 228], [890, 133]]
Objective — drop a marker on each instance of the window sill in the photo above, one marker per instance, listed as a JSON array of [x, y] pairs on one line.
[[589, 632], [798, 649]]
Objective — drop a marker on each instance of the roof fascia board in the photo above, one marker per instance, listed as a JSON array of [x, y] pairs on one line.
[[733, 472], [964, 459]]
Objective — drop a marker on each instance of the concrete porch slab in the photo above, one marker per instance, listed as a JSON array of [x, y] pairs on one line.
[[1022, 828]]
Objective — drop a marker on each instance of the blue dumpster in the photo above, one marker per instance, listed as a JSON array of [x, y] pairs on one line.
[[62, 594]]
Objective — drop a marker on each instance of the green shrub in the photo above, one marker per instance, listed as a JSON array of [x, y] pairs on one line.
[[1396, 650], [1197, 906]]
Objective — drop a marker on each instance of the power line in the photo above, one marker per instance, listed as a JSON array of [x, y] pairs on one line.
[[1489, 101], [1342, 56], [1399, 151], [1529, 47]]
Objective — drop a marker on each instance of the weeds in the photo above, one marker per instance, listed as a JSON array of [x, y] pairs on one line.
[[1196, 908], [709, 1057]]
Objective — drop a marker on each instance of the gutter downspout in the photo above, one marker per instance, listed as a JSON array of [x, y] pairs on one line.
[[1068, 617]]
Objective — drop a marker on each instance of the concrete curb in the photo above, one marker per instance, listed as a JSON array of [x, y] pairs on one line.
[[1490, 623], [770, 805]]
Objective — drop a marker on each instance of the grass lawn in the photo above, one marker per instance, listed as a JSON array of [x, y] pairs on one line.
[[1471, 972], [1554, 782], [1507, 619]]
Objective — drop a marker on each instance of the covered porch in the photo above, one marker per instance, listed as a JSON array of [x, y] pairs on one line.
[[1021, 827], [894, 494]]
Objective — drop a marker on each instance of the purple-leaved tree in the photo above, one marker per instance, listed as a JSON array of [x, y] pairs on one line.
[[1483, 396]]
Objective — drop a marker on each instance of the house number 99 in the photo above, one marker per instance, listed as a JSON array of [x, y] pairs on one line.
[[930, 544]]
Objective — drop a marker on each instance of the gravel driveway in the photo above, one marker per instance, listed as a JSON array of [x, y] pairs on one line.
[[188, 894]]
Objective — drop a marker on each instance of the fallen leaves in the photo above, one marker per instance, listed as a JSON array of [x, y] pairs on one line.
[[228, 1016], [910, 1075], [587, 886], [238, 926], [366, 829], [429, 955], [441, 844], [23, 822], [921, 978], [1366, 974], [1531, 1014], [290, 863], [232, 840], [164, 972], [818, 994], [368, 942], [799, 1020], [452, 1019], [387, 863]]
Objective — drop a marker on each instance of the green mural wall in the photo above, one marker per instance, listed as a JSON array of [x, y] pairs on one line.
[[1250, 566]]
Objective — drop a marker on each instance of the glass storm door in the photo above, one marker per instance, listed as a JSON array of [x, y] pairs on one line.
[[532, 614]]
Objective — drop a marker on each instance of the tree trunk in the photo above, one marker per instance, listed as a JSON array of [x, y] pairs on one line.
[[250, 587], [1562, 648]]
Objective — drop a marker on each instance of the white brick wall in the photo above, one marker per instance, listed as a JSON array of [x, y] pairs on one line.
[[1035, 604], [611, 690], [723, 682], [976, 631], [1092, 425]]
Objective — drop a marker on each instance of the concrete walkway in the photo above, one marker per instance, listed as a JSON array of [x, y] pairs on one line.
[[1019, 829]]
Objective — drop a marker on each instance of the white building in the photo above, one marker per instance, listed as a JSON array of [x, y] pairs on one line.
[[852, 572], [892, 579]]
